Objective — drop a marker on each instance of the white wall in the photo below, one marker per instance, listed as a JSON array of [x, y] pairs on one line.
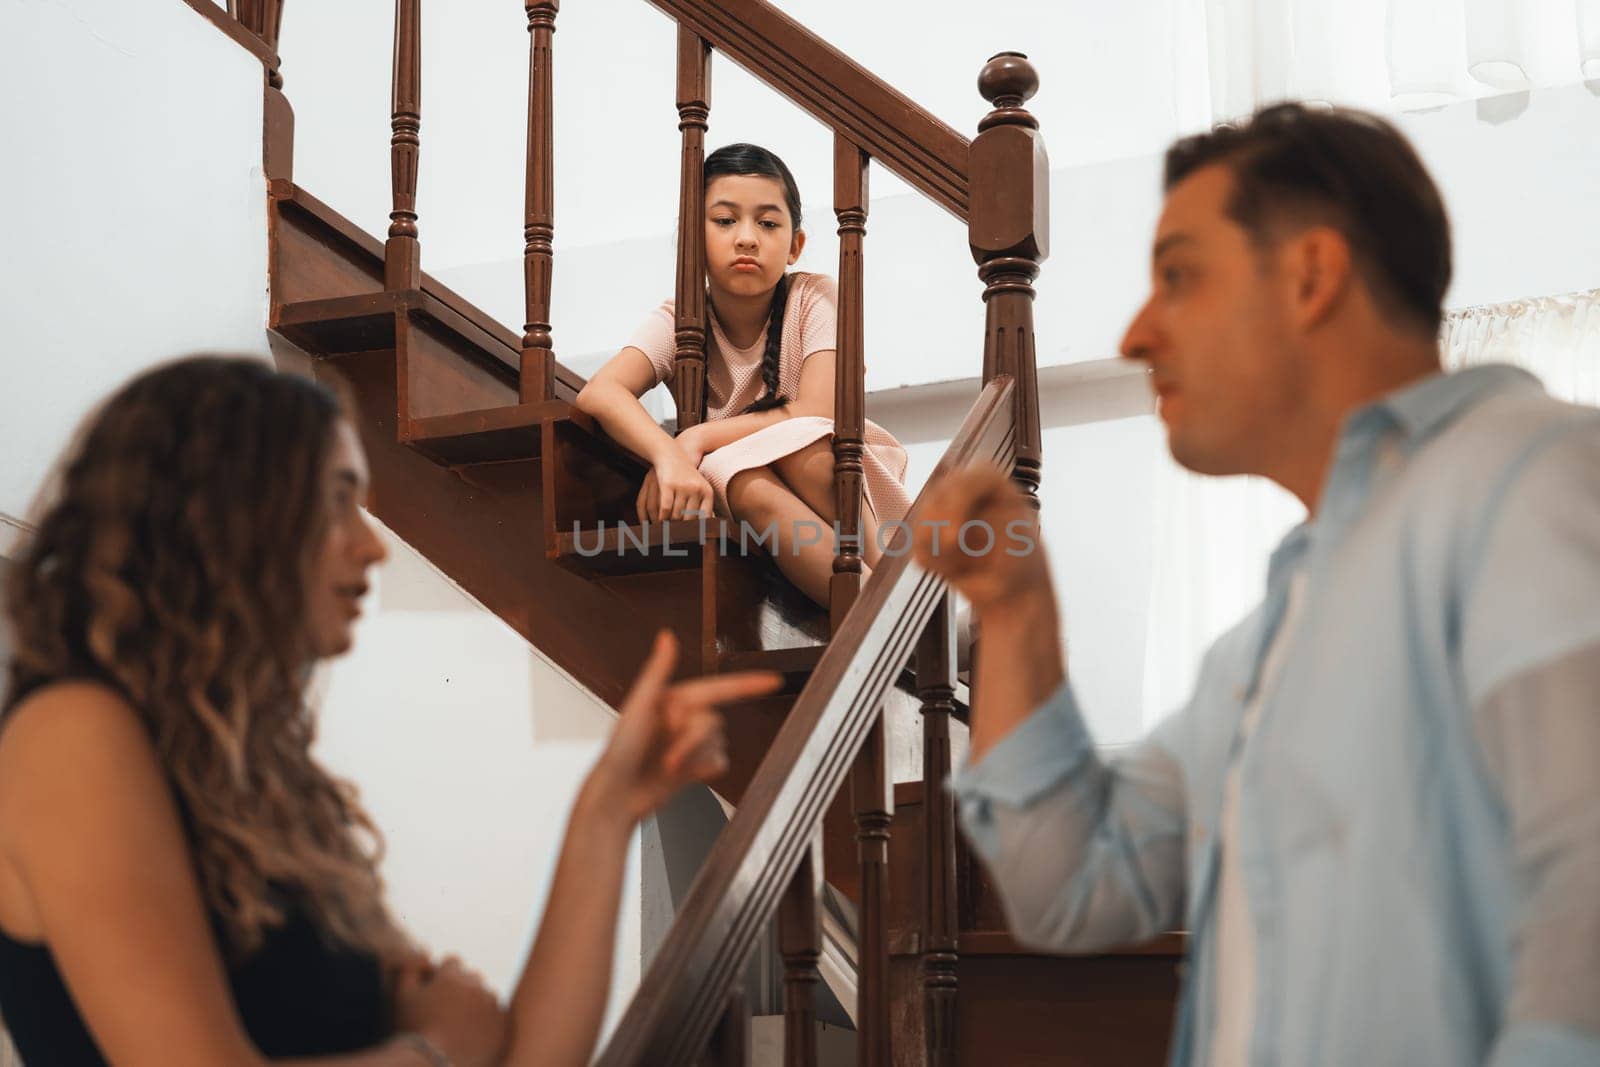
[[468, 746], [135, 217], [1521, 179]]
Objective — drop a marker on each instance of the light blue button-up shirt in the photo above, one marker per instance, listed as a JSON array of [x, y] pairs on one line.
[[1419, 808]]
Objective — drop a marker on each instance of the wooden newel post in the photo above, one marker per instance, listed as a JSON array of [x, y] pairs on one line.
[[850, 380], [537, 368], [872, 789], [1008, 227], [402, 253], [936, 687], [694, 112]]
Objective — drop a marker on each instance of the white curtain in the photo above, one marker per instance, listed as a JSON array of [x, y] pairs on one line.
[[1212, 540], [1214, 535], [1556, 338], [1379, 54]]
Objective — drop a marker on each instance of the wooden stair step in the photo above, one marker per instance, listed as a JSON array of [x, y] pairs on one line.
[[341, 324], [905, 941], [366, 323], [491, 435], [797, 664], [635, 548]]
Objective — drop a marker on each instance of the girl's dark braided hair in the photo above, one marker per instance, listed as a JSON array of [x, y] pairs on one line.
[[749, 159]]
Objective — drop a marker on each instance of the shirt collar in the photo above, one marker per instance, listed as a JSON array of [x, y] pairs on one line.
[[1286, 557], [1417, 410], [1426, 405]]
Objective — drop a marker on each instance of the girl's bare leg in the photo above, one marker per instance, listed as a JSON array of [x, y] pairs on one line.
[[803, 548], [809, 473]]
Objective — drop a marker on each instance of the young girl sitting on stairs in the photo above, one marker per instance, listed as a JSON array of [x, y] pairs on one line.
[[763, 455]]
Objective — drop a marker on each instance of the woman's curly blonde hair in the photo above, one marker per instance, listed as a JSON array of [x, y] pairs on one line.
[[170, 564]]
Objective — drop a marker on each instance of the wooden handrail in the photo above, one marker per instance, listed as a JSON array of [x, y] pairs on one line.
[[887, 125], [682, 995]]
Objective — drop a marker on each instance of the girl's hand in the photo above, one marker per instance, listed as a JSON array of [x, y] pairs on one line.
[[452, 1008], [672, 490], [667, 736]]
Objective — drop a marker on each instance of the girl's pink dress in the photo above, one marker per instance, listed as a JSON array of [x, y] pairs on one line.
[[733, 382]]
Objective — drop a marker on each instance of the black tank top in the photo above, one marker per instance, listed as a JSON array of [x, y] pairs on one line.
[[297, 994]]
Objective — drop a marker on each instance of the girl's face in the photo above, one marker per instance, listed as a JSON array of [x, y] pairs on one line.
[[348, 548], [750, 237]]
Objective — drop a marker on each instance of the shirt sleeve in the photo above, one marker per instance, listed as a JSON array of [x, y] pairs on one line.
[[657, 338], [1530, 662], [1540, 737], [819, 316], [1087, 854], [1532, 591]]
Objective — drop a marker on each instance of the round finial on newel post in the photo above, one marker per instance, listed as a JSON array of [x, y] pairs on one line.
[[1006, 81]]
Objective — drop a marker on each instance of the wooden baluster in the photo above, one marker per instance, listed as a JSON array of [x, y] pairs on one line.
[[936, 687], [850, 377], [277, 116], [537, 371], [262, 18], [872, 789], [271, 21], [800, 942], [1008, 227], [402, 253], [694, 111]]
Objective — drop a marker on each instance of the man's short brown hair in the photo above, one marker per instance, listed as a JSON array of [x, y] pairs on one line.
[[1345, 168]]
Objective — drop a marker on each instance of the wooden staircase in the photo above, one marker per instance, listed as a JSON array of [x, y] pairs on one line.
[[480, 460]]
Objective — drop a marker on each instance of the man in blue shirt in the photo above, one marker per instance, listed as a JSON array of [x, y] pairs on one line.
[[1378, 816]]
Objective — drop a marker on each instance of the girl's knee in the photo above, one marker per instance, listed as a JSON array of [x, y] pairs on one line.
[[750, 491], [812, 465]]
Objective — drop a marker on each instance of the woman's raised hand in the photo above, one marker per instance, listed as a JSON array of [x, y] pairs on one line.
[[674, 489], [452, 1009], [668, 736]]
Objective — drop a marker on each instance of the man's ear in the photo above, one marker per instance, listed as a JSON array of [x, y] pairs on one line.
[[797, 244], [1317, 267]]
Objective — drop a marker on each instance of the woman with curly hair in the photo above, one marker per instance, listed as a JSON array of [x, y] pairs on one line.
[[180, 881]]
